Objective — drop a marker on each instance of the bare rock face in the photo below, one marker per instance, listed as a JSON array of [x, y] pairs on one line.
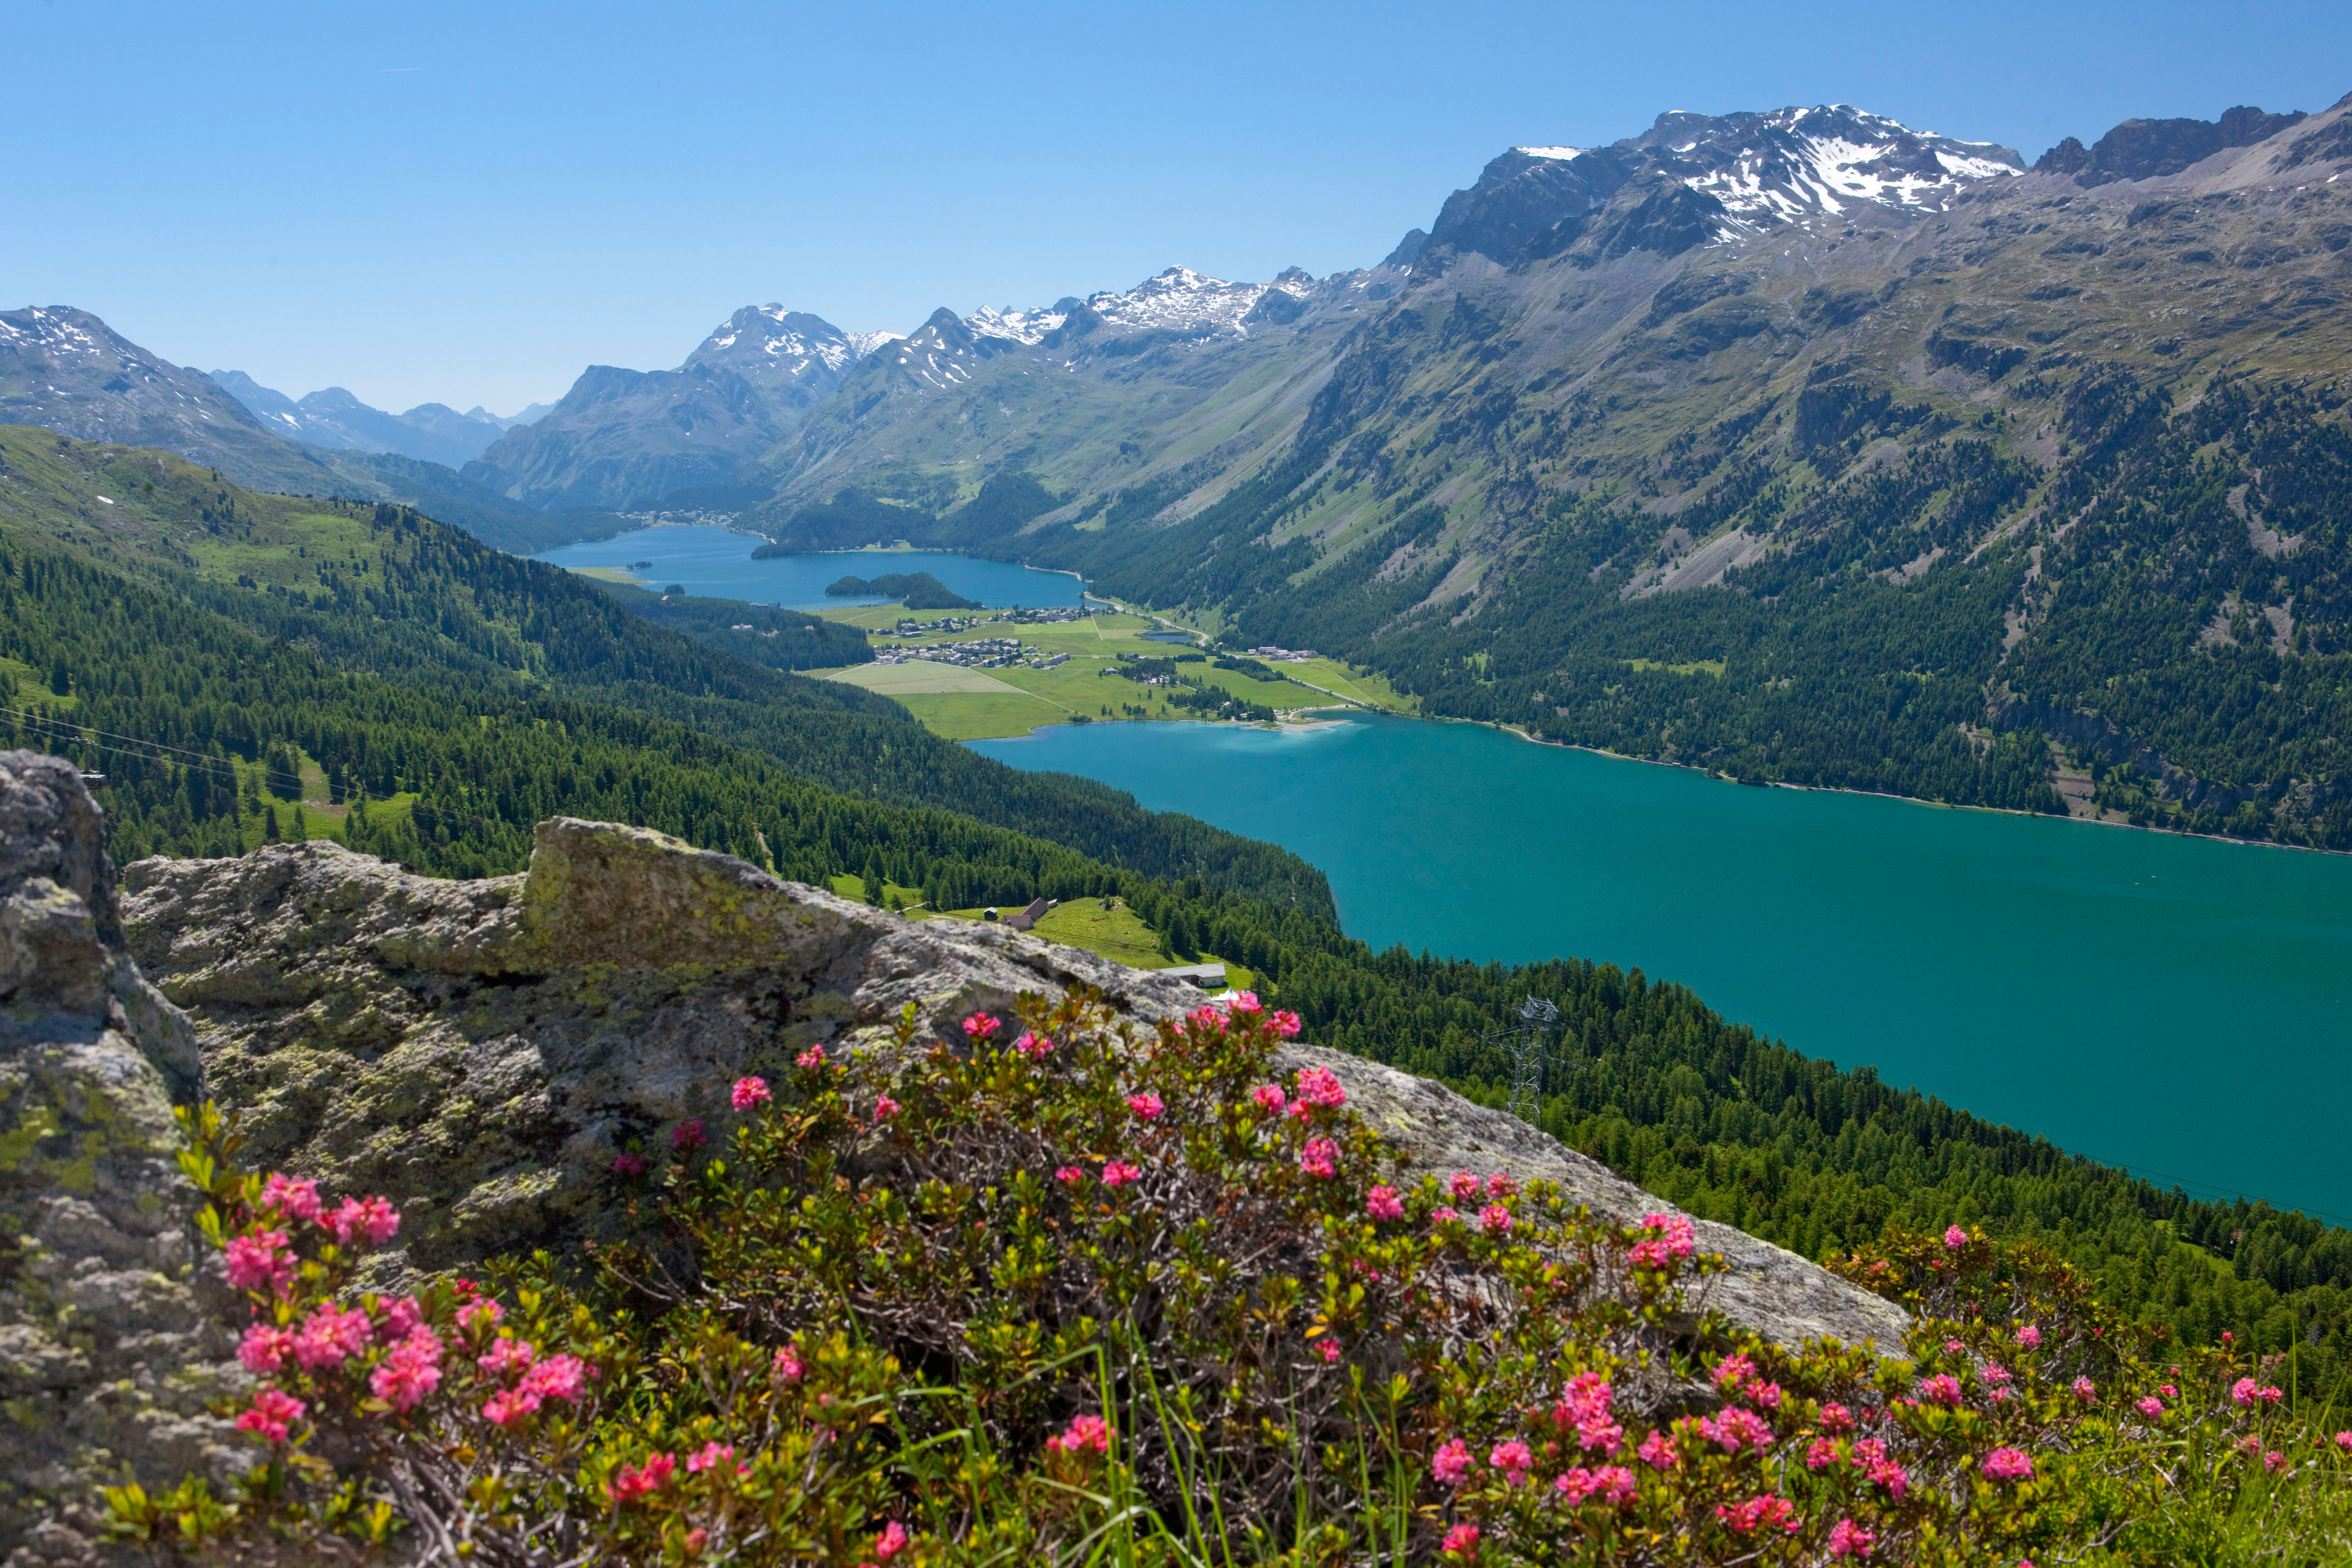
[[110, 1345], [482, 1051]]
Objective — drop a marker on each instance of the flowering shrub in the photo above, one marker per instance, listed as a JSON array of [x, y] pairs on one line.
[[1070, 1283]]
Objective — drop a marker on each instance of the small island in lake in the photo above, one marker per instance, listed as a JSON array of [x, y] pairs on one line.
[[919, 590]]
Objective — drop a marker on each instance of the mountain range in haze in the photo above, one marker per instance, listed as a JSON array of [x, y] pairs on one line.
[[334, 418]]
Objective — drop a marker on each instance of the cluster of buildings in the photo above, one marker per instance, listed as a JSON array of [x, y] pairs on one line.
[[981, 653], [911, 627], [1046, 617], [1283, 655]]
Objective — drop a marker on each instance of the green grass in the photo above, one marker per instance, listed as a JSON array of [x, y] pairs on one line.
[[853, 888], [1713, 666], [971, 705], [1117, 934]]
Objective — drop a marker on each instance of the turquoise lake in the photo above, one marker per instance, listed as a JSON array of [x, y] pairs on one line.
[[717, 563], [2179, 1006]]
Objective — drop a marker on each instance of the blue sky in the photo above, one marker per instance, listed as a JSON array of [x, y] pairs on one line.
[[468, 203]]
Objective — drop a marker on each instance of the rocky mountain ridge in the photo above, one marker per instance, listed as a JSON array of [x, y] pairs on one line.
[[634, 440]]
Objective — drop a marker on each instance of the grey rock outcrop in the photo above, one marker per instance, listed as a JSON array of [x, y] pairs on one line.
[[482, 1051], [111, 1349]]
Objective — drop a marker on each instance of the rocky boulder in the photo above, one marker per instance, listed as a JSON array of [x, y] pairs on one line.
[[483, 1051], [110, 1345]]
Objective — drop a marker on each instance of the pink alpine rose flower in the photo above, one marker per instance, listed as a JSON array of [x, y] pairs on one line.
[[295, 1197], [507, 1355], [2009, 1465], [1320, 1087], [1284, 1025], [265, 1349], [1461, 1541], [891, 1541], [1384, 1203], [1118, 1174], [885, 1108], [2086, 1391], [1848, 1539], [370, 1217], [258, 1260], [1451, 1463], [1514, 1459], [1658, 1452], [2150, 1406], [507, 1406], [1033, 1046], [688, 1135], [329, 1336], [750, 1090], [2030, 1337], [1464, 1186], [981, 1026], [709, 1457], [1762, 1512], [1084, 1435], [1270, 1098], [810, 1059], [1147, 1105], [788, 1363], [1494, 1220], [1955, 1237], [1441, 1215], [273, 1413], [410, 1372], [632, 1485], [1319, 1158], [1244, 1002], [556, 1378], [1941, 1389], [1069, 1175]]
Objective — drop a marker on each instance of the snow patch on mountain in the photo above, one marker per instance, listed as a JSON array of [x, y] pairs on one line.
[[1018, 326], [1767, 168], [1562, 154]]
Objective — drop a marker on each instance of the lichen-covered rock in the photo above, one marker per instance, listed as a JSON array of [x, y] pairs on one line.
[[112, 1347], [482, 1051]]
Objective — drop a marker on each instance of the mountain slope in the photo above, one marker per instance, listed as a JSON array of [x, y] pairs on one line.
[[67, 371], [1996, 490], [634, 439]]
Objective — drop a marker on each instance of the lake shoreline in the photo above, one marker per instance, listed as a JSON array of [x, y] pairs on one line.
[[1514, 731]]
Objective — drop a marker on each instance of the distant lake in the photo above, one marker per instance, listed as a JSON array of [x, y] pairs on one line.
[[2179, 1006], [715, 563]]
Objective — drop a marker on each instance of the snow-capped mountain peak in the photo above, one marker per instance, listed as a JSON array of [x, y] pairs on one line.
[[1746, 172], [1794, 163], [1019, 326]]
